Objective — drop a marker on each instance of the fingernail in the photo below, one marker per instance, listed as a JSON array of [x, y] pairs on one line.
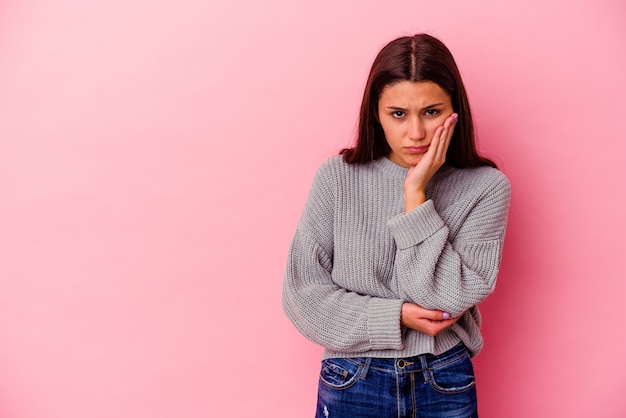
[[446, 315], [455, 117]]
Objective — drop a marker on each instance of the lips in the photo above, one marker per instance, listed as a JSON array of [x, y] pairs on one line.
[[416, 150]]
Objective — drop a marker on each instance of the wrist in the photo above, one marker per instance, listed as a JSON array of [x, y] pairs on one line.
[[403, 314], [413, 199]]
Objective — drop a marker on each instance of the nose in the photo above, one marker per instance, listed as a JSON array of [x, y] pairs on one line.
[[416, 129]]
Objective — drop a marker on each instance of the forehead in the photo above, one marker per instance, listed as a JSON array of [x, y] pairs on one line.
[[414, 92]]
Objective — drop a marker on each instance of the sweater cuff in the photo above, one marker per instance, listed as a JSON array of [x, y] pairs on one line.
[[383, 324], [409, 229]]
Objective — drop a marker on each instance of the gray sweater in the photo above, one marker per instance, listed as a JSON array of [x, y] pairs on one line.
[[356, 257]]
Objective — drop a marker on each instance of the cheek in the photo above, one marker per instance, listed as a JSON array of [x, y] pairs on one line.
[[431, 126], [387, 129], [393, 135]]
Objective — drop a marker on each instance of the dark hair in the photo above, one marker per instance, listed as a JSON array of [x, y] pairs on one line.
[[419, 57]]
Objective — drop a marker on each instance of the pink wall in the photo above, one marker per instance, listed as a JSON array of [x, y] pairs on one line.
[[155, 156]]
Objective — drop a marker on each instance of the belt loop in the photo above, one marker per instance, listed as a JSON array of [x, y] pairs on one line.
[[425, 370], [365, 368]]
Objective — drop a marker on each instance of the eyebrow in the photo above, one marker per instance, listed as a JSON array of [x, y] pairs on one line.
[[424, 108]]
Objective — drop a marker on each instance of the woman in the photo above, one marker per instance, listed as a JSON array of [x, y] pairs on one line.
[[401, 237]]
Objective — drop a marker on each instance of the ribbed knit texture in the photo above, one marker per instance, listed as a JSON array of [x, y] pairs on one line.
[[356, 257]]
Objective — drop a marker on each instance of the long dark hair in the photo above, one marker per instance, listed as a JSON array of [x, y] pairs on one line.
[[419, 57]]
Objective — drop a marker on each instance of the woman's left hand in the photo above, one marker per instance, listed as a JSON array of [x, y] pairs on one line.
[[418, 176]]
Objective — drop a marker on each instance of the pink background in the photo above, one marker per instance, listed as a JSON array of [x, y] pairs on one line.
[[155, 157]]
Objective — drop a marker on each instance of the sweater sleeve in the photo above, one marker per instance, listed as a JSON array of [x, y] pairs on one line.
[[437, 271], [325, 313]]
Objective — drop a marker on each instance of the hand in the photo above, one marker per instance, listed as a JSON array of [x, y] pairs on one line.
[[418, 176], [430, 322]]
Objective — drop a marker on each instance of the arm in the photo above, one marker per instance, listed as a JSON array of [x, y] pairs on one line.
[[321, 310], [328, 314], [346, 321], [436, 270]]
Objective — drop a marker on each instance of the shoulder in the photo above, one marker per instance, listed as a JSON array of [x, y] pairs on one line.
[[486, 176], [327, 178], [335, 171], [329, 172], [332, 164], [475, 183], [335, 166]]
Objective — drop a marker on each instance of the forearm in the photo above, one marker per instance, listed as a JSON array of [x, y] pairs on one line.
[[438, 274], [413, 199], [446, 282], [332, 316]]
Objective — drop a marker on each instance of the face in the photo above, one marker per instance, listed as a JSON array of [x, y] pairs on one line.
[[409, 113]]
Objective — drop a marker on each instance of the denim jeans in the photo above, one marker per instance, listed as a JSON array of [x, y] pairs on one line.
[[426, 386]]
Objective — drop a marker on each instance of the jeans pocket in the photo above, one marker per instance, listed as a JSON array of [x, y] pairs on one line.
[[456, 376], [340, 373]]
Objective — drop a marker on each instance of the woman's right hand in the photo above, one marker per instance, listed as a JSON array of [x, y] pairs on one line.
[[430, 322]]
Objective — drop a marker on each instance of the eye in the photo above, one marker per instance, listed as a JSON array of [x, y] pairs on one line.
[[432, 112], [398, 114]]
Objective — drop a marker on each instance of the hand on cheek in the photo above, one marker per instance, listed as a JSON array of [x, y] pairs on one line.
[[418, 176]]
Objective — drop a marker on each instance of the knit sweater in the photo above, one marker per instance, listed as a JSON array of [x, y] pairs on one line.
[[356, 257]]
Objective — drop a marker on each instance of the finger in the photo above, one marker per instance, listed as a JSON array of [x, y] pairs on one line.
[[436, 315], [442, 145], [451, 124], [433, 328], [438, 138], [446, 135]]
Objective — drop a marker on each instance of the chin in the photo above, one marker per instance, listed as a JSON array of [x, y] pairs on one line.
[[412, 161]]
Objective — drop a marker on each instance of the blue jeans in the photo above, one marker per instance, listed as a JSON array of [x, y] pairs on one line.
[[426, 386]]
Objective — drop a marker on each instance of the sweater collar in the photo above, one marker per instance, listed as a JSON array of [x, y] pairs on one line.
[[396, 171], [390, 168]]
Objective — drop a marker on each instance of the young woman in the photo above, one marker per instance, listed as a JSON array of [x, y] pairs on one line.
[[401, 237]]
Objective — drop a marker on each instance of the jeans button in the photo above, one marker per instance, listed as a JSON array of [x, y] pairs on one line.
[[403, 363]]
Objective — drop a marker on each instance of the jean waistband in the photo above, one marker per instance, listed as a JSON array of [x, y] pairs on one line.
[[415, 363]]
